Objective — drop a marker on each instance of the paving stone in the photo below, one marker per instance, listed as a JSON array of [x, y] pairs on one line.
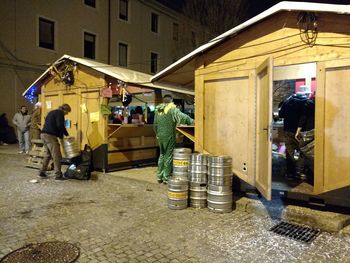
[[115, 219]]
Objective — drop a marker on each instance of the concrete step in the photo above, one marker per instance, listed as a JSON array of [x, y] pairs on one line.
[[325, 221]]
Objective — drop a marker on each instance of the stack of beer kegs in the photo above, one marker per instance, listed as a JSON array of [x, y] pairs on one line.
[[197, 172], [220, 198], [178, 183]]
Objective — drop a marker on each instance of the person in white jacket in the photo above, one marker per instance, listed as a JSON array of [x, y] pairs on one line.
[[22, 122]]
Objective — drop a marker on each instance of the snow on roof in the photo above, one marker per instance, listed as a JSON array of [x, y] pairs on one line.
[[123, 74], [282, 6]]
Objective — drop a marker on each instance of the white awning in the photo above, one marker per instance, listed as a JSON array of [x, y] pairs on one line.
[[123, 74]]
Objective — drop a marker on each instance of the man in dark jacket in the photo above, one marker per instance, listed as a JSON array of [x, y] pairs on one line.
[[53, 129], [290, 110]]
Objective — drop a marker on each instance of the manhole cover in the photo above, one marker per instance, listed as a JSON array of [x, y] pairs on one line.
[[55, 251], [296, 232]]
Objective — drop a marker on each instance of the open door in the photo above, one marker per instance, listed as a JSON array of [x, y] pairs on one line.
[[264, 128], [332, 126]]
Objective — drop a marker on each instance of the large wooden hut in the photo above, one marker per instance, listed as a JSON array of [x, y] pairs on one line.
[[89, 87], [235, 76]]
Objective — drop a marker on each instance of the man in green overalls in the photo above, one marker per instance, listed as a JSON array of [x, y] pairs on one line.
[[167, 116]]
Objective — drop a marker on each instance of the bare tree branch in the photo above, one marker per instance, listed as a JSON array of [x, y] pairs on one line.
[[217, 15]]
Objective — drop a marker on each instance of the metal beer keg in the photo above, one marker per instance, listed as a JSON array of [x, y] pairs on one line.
[[181, 158], [70, 147], [177, 193], [220, 198], [197, 171], [198, 195]]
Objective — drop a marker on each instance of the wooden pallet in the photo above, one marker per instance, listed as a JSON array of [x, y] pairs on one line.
[[36, 155]]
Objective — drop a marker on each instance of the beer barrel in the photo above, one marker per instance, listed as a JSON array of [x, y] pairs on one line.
[[225, 180], [219, 161], [220, 198], [198, 195], [177, 193], [198, 177], [199, 159], [197, 170], [220, 201], [70, 147], [181, 159]]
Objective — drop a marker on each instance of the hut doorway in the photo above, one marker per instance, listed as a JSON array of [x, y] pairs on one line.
[[293, 159]]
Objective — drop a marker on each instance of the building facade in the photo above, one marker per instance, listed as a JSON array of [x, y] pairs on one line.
[[137, 34]]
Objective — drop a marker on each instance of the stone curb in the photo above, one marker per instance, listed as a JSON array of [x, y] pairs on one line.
[[325, 221], [251, 206], [345, 230]]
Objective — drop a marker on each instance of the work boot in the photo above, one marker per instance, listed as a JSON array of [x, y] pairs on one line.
[[159, 181], [42, 174]]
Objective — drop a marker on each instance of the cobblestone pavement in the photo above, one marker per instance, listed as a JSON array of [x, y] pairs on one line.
[[117, 219]]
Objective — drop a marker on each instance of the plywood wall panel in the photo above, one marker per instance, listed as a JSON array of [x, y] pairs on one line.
[[337, 128], [226, 122]]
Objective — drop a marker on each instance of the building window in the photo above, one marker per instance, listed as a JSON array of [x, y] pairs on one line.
[[175, 31], [154, 23], [123, 55], [91, 3], [124, 10], [89, 45], [194, 39], [46, 33], [154, 62]]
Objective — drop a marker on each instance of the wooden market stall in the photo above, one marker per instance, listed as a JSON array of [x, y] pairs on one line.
[[89, 87], [235, 77]]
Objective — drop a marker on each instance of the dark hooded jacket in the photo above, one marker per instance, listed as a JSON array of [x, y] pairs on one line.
[[291, 110], [54, 124]]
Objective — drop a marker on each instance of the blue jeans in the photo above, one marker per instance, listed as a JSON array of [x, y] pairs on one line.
[[23, 140]]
